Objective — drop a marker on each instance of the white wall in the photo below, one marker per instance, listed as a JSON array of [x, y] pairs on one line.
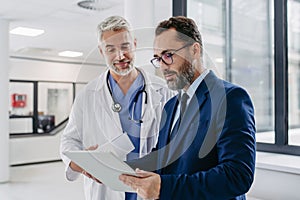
[[25, 69], [4, 66], [34, 149], [277, 177], [275, 185]]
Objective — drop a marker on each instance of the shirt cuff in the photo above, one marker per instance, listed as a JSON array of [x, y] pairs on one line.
[[70, 174]]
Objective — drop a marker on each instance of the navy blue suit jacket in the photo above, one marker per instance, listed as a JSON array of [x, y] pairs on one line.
[[213, 154]]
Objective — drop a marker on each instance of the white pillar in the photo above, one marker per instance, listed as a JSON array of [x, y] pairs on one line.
[[4, 134], [140, 14]]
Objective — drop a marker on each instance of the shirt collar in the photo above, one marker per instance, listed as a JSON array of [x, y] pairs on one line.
[[193, 87]]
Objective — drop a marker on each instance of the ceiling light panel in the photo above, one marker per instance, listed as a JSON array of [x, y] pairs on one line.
[[71, 54], [27, 31]]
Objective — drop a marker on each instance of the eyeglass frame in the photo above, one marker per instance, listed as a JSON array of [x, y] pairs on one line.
[[171, 54]]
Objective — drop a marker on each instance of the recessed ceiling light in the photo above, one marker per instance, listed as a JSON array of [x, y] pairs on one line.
[[27, 31], [71, 54], [95, 4]]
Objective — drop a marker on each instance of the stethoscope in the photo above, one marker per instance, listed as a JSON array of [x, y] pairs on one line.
[[116, 106]]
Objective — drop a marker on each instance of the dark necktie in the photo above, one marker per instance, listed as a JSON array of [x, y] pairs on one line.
[[183, 101]]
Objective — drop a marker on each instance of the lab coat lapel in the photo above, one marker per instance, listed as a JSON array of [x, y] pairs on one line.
[[103, 102]]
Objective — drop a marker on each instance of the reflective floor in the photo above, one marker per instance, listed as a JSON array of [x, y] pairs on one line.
[[42, 181]]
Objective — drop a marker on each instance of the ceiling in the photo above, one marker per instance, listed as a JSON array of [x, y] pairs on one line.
[[66, 25]]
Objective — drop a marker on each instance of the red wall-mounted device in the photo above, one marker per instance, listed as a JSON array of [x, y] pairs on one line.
[[18, 100]]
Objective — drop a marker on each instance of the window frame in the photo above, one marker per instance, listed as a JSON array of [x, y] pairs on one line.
[[280, 73]]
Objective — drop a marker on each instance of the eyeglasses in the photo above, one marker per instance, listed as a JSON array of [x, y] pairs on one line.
[[166, 57]]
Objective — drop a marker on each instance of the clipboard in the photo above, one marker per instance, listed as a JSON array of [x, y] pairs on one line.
[[105, 166]]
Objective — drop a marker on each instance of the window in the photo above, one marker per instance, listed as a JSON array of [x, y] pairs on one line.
[[252, 56], [248, 38], [212, 30], [294, 70], [233, 25], [55, 99]]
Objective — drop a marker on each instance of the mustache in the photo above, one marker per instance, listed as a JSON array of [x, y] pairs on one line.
[[121, 61], [169, 72]]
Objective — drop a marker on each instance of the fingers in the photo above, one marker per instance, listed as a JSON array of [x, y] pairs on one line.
[[146, 184], [90, 176], [96, 180], [91, 148], [142, 173], [75, 167], [86, 174], [132, 182], [129, 180], [135, 180]]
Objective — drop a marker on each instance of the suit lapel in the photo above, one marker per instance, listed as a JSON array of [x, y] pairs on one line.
[[199, 98], [181, 142], [166, 127]]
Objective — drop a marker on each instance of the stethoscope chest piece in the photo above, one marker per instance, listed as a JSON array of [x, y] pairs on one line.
[[116, 107]]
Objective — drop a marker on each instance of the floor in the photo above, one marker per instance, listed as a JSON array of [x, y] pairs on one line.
[[42, 181]]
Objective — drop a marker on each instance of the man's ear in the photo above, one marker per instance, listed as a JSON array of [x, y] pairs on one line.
[[196, 49]]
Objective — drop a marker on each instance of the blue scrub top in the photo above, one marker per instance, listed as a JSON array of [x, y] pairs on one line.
[[128, 106]]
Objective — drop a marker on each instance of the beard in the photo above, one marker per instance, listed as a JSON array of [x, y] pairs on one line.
[[121, 72], [183, 78]]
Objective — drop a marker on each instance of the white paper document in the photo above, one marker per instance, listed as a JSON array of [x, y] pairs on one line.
[[104, 166]]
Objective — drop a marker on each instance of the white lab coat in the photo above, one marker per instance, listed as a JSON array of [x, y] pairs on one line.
[[92, 122]]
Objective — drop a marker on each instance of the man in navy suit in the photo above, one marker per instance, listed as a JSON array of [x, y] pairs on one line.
[[206, 144]]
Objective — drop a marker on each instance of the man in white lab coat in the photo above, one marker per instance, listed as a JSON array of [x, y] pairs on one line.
[[119, 111]]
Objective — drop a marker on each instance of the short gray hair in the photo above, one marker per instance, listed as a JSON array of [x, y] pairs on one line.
[[113, 23]]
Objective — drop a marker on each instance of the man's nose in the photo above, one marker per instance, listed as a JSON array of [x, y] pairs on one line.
[[163, 65], [120, 54]]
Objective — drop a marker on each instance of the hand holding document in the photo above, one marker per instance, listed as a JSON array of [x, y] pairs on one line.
[[104, 166]]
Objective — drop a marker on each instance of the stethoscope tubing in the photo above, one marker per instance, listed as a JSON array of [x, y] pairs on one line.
[[116, 107]]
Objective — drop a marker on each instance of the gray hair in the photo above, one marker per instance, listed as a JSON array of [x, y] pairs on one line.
[[113, 23]]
